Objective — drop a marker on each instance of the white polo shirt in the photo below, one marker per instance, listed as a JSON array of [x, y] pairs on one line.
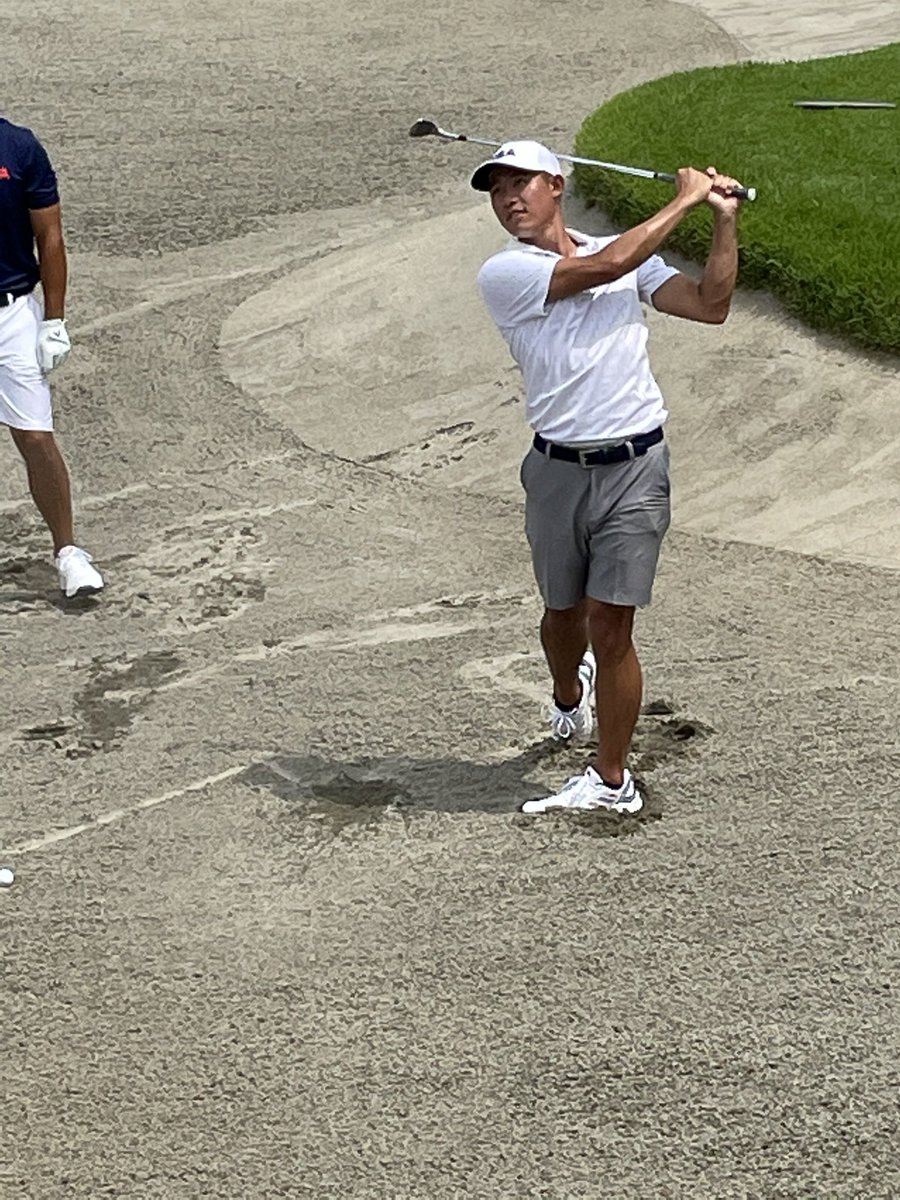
[[584, 358]]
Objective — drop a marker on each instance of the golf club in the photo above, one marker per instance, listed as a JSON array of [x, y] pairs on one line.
[[844, 104], [425, 128]]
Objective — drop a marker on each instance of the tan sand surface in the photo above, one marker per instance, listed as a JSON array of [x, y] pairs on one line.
[[278, 928], [807, 28], [781, 437]]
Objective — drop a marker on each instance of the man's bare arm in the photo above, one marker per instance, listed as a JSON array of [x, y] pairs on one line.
[[709, 298], [51, 249], [630, 249]]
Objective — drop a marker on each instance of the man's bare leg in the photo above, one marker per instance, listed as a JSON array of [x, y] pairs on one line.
[[619, 686], [564, 636], [48, 480]]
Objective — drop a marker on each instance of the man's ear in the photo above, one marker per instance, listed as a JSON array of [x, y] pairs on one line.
[[557, 185]]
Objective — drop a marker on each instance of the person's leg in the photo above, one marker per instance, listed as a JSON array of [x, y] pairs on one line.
[[625, 552], [554, 496], [618, 691], [26, 407], [630, 515], [564, 637], [619, 686], [48, 480]]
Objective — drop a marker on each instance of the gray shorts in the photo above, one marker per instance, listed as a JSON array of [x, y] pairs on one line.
[[596, 531]]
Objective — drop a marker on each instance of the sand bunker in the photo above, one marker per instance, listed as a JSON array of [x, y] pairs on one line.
[[382, 352]]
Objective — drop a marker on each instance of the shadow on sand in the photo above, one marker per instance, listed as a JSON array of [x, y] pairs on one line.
[[360, 792]]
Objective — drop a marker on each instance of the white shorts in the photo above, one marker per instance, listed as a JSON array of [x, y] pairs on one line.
[[24, 392]]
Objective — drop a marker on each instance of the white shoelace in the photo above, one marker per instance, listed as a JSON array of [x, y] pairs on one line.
[[564, 723]]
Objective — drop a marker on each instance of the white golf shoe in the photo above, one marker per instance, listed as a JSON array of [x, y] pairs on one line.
[[76, 575], [577, 725], [588, 791]]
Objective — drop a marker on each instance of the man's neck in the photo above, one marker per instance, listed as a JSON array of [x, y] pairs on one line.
[[554, 237]]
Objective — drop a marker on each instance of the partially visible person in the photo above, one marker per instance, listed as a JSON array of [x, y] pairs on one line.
[[596, 478], [34, 341]]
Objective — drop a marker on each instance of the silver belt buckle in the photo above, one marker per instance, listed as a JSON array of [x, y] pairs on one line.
[[582, 458]]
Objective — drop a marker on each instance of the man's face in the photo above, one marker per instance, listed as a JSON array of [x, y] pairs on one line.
[[524, 202]]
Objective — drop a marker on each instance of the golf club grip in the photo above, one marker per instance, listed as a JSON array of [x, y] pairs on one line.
[[741, 193], [744, 193]]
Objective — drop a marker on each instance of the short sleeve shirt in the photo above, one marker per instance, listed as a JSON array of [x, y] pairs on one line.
[[27, 182], [584, 358]]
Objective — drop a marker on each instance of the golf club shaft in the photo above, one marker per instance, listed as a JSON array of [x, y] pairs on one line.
[[425, 128]]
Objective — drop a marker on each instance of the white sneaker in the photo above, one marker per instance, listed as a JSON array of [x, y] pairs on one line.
[[577, 725], [588, 791], [76, 575]]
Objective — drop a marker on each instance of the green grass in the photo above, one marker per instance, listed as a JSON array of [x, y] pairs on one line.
[[824, 232]]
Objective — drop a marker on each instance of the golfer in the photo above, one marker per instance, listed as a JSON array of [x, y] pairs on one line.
[[34, 341], [596, 477]]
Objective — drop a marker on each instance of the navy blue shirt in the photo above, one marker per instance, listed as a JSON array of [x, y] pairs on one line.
[[27, 181]]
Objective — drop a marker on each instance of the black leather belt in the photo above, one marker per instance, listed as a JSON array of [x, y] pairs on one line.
[[632, 448], [7, 298]]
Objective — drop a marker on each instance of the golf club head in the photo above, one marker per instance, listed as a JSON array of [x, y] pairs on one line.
[[423, 128]]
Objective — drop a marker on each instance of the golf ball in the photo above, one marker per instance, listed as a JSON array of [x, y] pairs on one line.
[[7, 877]]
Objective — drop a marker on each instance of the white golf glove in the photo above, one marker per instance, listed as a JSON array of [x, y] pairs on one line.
[[53, 344]]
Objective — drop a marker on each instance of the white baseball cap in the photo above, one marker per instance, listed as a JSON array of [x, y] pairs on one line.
[[527, 156]]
